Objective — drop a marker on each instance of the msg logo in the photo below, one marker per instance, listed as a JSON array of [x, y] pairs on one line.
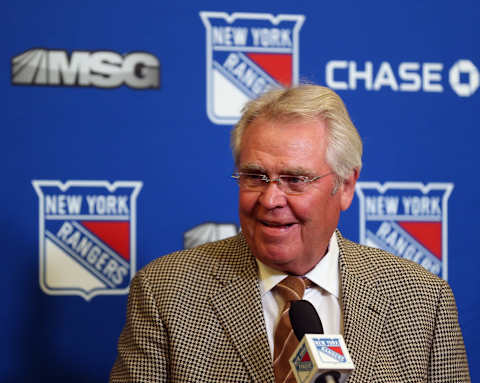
[[101, 69]]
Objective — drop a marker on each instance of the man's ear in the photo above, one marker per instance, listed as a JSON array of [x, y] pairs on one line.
[[347, 189]]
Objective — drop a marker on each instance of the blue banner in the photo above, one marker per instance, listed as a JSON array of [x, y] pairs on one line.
[[115, 148]]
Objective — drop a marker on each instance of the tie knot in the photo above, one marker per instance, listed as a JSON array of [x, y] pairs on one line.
[[292, 288]]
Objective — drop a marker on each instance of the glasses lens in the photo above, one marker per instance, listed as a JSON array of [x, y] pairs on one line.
[[293, 184], [286, 183], [252, 180]]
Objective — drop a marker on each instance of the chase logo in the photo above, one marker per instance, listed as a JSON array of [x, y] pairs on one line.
[[87, 236], [408, 76], [464, 68], [247, 53], [408, 219], [101, 69]]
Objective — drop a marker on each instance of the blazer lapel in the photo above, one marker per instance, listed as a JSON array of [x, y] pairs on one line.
[[239, 309], [365, 310]]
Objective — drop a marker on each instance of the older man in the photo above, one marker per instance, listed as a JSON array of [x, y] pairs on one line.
[[216, 313]]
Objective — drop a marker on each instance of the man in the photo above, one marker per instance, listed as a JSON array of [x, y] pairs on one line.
[[212, 313]]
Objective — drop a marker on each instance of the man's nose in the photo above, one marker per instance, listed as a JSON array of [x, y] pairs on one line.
[[272, 196]]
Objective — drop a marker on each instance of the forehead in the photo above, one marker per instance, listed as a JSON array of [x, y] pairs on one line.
[[298, 146]]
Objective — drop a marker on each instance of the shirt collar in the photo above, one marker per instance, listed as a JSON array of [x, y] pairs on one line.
[[324, 274]]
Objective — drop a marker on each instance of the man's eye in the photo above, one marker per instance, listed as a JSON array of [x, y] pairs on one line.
[[253, 178], [293, 179]]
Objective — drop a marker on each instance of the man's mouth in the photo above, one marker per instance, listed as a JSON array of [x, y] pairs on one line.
[[276, 224]]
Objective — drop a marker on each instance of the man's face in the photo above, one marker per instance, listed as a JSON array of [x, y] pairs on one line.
[[290, 232]]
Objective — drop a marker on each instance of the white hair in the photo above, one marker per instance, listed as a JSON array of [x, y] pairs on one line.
[[308, 102]]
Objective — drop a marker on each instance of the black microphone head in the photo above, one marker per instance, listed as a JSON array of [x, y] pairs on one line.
[[304, 319]]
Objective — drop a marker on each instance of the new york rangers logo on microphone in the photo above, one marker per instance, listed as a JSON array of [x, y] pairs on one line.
[[330, 350], [87, 236], [302, 363], [321, 355], [247, 53]]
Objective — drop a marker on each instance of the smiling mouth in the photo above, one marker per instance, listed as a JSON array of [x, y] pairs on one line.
[[275, 224]]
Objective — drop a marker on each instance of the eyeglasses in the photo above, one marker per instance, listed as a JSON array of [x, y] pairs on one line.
[[286, 183]]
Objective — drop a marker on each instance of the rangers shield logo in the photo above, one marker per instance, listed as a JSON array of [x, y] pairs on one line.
[[330, 350], [302, 363], [246, 54], [87, 241], [408, 219]]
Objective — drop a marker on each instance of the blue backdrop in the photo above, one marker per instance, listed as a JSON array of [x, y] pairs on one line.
[[115, 148]]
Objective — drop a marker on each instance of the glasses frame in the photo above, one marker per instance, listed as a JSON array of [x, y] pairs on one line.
[[267, 180]]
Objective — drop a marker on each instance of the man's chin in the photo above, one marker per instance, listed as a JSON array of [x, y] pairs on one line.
[[277, 259], [291, 260]]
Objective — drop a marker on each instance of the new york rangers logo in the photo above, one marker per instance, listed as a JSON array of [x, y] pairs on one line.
[[87, 236], [408, 219], [330, 350], [302, 363], [246, 54]]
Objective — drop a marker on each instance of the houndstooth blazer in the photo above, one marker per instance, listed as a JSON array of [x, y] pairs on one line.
[[196, 316]]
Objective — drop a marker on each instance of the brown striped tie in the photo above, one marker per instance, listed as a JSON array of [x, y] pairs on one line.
[[285, 341]]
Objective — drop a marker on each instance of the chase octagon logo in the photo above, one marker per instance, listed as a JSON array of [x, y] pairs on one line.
[[87, 236]]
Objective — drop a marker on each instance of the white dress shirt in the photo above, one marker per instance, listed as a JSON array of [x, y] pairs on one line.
[[325, 295]]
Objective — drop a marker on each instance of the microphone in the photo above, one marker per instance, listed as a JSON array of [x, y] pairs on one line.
[[319, 358], [304, 319]]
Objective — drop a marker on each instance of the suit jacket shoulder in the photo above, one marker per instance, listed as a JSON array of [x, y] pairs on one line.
[[374, 265], [221, 261], [196, 316], [400, 321]]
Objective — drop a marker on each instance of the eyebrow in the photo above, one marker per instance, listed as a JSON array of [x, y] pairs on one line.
[[252, 168], [298, 171]]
